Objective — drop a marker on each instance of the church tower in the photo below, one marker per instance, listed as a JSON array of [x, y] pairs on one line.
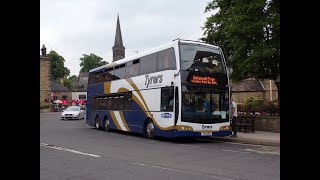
[[118, 48]]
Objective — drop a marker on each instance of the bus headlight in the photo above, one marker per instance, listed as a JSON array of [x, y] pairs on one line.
[[224, 128], [186, 128]]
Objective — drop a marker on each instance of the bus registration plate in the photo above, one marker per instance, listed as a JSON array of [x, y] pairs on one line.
[[206, 133]]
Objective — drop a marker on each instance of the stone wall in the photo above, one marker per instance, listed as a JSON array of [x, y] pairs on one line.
[[268, 124], [239, 97], [45, 86], [60, 94]]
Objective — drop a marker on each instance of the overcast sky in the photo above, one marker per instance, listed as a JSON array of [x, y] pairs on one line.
[[76, 27]]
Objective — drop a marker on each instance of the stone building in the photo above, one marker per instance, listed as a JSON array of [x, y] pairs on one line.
[[260, 89], [118, 48], [45, 77], [60, 92]]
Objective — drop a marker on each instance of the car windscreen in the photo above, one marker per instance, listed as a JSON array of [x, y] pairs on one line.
[[72, 109]]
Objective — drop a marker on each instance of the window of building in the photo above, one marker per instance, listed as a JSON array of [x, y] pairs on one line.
[[64, 97], [82, 96], [55, 98]]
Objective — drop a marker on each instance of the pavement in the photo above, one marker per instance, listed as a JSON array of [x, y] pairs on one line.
[[258, 138]]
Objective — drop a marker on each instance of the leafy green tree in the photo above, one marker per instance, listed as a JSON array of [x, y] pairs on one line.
[[58, 70], [71, 82], [91, 61], [249, 33], [67, 83]]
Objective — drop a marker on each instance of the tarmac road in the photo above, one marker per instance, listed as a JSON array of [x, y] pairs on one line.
[[72, 150]]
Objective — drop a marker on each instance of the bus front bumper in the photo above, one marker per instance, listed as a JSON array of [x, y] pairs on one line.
[[222, 133]]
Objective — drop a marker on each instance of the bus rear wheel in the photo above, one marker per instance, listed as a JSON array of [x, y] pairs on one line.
[[149, 130], [106, 124]]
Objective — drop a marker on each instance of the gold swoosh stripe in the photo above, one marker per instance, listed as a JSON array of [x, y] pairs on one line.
[[107, 86], [142, 107], [137, 90], [121, 113], [124, 121], [115, 120]]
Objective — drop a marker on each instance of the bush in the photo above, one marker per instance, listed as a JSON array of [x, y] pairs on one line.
[[259, 107], [45, 106], [272, 108], [248, 100]]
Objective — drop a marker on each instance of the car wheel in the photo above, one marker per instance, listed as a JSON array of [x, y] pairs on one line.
[[107, 124], [149, 130], [97, 122]]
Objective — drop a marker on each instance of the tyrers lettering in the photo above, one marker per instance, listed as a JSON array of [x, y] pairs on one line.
[[153, 79]]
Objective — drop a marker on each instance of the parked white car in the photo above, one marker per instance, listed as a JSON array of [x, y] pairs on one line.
[[73, 112]]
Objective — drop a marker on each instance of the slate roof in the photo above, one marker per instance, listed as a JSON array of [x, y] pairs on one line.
[[55, 87], [247, 85], [80, 90]]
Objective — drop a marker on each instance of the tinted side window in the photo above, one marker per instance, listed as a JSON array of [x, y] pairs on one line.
[[127, 100], [132, 68], [166, 59], [117, 101], [120, 71], [148, 64], [98, 103]]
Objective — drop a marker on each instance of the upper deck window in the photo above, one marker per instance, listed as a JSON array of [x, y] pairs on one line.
[[166, 60], [201, 59], [148, 64]]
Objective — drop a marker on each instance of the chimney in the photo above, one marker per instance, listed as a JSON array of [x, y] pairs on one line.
[[43, 51]]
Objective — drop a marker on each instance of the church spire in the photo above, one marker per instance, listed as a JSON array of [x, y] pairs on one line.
[[118, 48]]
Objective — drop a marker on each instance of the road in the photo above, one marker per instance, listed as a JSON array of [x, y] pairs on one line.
[[73, 150]]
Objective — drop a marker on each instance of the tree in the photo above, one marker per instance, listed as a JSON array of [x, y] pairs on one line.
[[91, 61], [249, 33], [71, 82], [58, 70]]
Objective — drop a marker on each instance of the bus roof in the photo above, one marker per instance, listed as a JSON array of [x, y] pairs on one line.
[[150, 51]]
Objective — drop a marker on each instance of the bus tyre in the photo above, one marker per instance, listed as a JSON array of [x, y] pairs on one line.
[[107, 124], [97, 122], [149, 130]]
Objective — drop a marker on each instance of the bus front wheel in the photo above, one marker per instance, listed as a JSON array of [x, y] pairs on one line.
[[149, 130]]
